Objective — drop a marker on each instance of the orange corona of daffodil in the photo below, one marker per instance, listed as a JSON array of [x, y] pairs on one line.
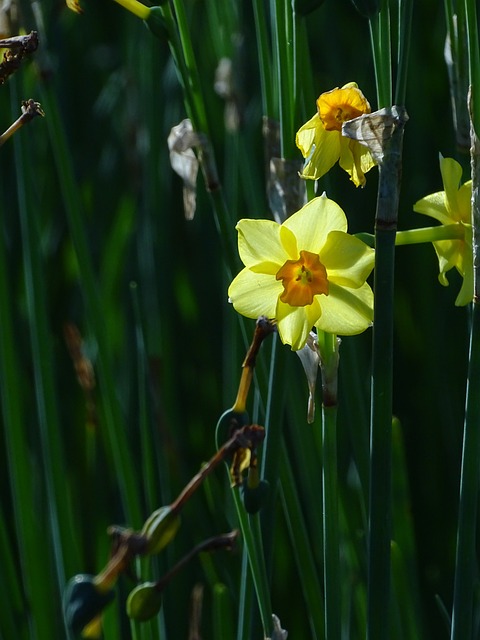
[[305, 272], [452, 206], [320, 139]]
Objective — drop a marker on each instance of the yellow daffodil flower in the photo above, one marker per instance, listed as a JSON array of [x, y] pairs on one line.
[[320, 139], [453, 206], [305, 272]]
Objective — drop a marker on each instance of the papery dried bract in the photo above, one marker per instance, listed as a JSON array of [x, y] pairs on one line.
[[372, 130], [310, 360], [184, 162]]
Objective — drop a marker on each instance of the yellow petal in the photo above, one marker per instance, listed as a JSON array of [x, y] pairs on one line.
[[458, 254], [312, 224], [465, 295], [295, 323], [464, 200], [434, 206], [356, 160], [348, 260], [447, 253], [451, 175], [255, 294], [345, 311], [259, 242], [305, 137], [321, 148]]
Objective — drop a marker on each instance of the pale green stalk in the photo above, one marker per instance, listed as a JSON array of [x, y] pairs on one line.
[[328, 349]]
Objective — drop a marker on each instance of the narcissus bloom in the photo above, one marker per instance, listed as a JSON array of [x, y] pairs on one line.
[[305, 272], [320, 139], [453, 206]]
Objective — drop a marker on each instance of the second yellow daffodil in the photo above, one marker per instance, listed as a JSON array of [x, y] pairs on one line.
[[320, 139], [305, 272], [453, 206]]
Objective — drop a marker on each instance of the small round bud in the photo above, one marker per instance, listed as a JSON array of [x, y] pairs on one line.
[[144, 602]]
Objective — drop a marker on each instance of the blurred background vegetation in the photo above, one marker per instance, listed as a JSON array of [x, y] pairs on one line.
[[173, 346]]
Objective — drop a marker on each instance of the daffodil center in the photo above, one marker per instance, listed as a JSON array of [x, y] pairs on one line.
[[339, 105], [303, 279]]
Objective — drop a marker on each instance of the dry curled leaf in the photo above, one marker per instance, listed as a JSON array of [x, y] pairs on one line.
[[181, 140], [373, 129]]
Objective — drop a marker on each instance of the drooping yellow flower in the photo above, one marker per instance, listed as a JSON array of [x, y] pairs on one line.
[[320, 139], [74, 5], [305, 272], [453, 206]]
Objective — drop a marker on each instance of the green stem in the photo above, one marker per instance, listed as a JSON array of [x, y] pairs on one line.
[[185, 57], [465, 566], [264, 57], [466, 560], [328, 349], [382, 377], [380, 441], [282, 24], [302, 547], [418, 236], [473, 60], [250, 528], [382, 54], [405, 8], [331, 552]]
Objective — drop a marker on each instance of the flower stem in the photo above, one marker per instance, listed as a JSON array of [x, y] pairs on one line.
[[250, 528], [419, 236], [405, 8], [382, 374], [382, 54], [465, 564], [331, 554], [137, 8], [328, 348], [283, 30], [465, 561]]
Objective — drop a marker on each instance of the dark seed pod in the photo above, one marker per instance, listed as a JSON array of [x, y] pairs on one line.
[[83, 601], [254, 497]]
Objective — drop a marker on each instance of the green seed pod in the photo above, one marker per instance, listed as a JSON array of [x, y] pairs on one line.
[[160, 528], [156, 23], [254, 498], [227, 423], [367, 8], [83, 601], [144, 602]]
